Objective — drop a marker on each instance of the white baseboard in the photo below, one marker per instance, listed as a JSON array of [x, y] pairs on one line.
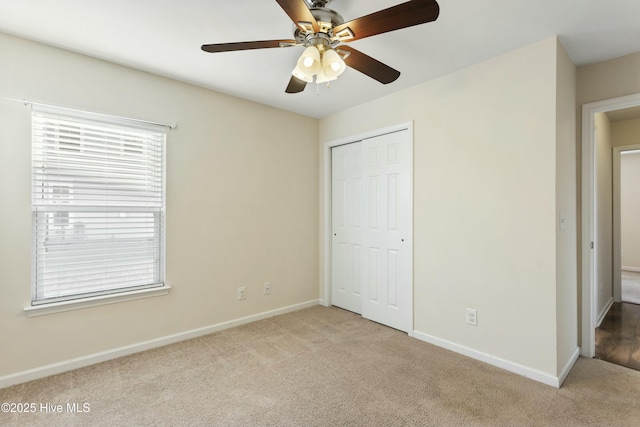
[[604, 312], [80, 362], [498, 362], [635, 269], [567, 368], [323, 302]]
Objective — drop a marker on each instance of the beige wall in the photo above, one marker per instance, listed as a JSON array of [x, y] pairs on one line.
[[242, 205], [609, 79], [485, 202], [604, 213], [566, 250], [630, 210], [625, 132]]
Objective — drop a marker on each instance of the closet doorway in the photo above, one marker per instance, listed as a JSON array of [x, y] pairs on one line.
[[371, 242]]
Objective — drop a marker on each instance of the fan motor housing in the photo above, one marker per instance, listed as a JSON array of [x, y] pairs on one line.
[[326, 18]]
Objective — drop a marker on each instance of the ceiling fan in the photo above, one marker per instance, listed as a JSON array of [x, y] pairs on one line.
[[322, 31]]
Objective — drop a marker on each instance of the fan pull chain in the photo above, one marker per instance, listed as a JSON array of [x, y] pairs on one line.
[[318, 88]]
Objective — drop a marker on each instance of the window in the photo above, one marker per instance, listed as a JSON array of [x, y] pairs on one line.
[[98, 204]]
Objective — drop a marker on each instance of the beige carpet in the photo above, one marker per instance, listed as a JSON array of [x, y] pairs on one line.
[[324, 367]]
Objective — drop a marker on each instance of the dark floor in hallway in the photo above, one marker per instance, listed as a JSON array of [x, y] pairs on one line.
[[618, 337]]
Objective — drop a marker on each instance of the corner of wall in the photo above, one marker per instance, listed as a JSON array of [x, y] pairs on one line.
[[566, 211]]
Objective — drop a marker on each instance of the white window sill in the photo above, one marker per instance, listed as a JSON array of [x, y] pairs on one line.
[[58, 307]]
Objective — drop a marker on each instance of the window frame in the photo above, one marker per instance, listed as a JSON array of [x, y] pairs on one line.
[[86, 299]]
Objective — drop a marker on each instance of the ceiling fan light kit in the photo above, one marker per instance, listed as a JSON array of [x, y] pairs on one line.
[[322, 31], [325, 66]]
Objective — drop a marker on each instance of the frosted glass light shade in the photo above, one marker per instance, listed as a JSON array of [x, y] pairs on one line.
[[332, 64], [298, 73], [321, 77], [309, 61]]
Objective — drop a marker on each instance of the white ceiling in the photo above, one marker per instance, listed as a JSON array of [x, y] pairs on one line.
[[164, 37]]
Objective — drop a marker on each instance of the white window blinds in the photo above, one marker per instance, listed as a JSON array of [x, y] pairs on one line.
[[98, 206]]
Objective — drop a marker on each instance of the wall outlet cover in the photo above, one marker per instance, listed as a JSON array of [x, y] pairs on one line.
[[471, 316]]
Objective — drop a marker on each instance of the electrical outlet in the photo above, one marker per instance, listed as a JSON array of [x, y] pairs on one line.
[[472, 316], [266, 288], [242, 292]]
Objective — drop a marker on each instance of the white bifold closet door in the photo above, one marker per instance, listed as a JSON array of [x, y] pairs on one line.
[[371, 229]]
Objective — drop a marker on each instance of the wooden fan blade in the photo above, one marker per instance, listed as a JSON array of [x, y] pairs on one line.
[[295, 85], [299, 13], [229, 47], [369, 66], [404, 15]]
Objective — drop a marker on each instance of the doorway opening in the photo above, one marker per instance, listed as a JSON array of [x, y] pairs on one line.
[[618, 336], [609, 129], [626, 214]]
